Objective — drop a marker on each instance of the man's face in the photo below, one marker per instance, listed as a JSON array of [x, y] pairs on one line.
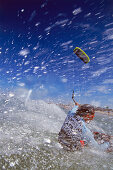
[[89, 117]]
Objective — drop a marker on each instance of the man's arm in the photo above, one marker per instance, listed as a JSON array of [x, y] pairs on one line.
[[89, 137], [74, 100]]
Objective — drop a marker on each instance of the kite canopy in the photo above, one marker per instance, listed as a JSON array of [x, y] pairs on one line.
[[82, 55]]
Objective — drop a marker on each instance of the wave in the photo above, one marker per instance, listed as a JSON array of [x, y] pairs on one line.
[[30, 123]]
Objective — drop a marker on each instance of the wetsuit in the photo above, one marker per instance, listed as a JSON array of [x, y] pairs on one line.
[[74, 131]]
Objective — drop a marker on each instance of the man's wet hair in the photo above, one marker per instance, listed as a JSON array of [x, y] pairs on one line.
[[85, 109]]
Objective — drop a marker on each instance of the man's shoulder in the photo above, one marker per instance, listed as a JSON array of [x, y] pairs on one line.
[[73, 111], [73, 118]]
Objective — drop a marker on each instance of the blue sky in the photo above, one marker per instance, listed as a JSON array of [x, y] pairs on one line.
[[37, 39]]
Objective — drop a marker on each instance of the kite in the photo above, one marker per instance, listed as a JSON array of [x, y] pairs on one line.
[[82, 55]]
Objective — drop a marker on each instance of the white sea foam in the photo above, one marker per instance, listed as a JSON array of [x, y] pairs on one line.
[[27, 122]]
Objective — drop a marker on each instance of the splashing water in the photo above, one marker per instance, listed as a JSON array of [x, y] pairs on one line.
[[28, 96], [29, 133]]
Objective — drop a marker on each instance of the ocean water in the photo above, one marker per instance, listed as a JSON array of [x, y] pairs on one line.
[[28, 138]]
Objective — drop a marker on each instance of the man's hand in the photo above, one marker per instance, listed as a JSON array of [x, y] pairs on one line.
[[73, 95]]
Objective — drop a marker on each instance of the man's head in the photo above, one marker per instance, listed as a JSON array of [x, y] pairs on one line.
[[86, 111]]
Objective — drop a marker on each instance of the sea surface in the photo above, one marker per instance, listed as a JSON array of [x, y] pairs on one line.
[[28, 138]]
